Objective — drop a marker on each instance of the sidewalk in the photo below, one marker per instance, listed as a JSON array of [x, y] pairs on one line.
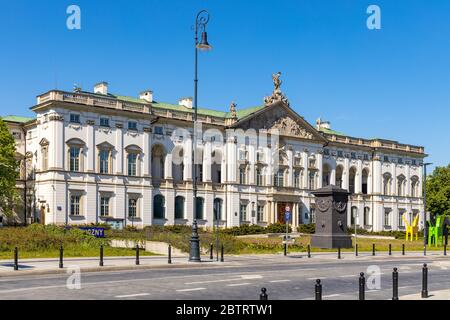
[[435, 295]]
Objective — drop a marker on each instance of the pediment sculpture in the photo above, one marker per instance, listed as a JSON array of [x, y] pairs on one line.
[[288, 126], [277, 94]]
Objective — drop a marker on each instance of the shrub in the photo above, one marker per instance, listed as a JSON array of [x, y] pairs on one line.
[[307, 228], [278, 228], [244, 230]]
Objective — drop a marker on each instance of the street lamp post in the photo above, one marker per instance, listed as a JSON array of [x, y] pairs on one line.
[[201, 21], [425, 227]]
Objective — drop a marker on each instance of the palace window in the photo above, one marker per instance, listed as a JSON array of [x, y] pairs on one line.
[[365, 181], [414, 186], [243, 212], [312, 180], [401, 222], [297, 178], [75, 118], [75, 201], [340, 154], [326, 175], [132, 125], [387, 180], [74, 159], [104, 122], [199, 172], [353, 155], [366, 157], [44, 154], [132, 164], [387, 217], [259, 177], [104, 161], [312, 214], [339, 173], [366, 221], [279, 178], [400, 160], [179, 207], [158, 207], [200, 209], [386, 159], [132, 207], [159, 130], [104, 206], [260, 213], [401, 182], [352, 179], [326, 152], [218, 214], [242, 175]]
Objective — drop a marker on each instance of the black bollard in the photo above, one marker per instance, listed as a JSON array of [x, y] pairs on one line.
[[285, 249], [61, 257], [318, 290], [170, 255], [137, 255], [101, 256], [425, 281], [211, 253], [309, 251], [373, 249], [395, 284], [403, 249], [390, 249], [16, 259], [356, 250], [362, 287], [221, 254], [263, 296], [339, 253], [445, 249]]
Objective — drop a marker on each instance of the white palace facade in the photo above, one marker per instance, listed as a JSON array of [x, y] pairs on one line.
[[96, 157]]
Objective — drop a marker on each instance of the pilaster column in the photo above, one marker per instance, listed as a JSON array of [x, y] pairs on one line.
[[358, 177], [168, 166], [207, 162], [90, 146], [305, 170], [290, 176], [319, 158], [377, 176], [120, 156], [345, 174], [146, 149], [187, 160]]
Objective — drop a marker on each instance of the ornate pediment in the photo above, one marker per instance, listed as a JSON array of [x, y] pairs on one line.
[[281, 118], [289, 127]]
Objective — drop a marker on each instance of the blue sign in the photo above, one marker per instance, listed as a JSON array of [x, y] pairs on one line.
[[94, 231], [288, 216]]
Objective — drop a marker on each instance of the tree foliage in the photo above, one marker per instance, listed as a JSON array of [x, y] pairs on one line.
[[438, 191], [8, 171]]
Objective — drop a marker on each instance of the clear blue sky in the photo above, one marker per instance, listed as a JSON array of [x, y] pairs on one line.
[[393, 83]]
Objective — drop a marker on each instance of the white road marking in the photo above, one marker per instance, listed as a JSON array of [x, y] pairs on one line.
[[238, 284], [348, 276], [314, 279], [278, 281], [133, 295], [251, 277], [193, 289], [242, 277], [331, 296]]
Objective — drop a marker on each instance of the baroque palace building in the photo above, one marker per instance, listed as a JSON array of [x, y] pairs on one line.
[[97, 157]]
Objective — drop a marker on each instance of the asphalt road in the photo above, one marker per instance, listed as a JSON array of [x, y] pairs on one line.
[[291, 278]]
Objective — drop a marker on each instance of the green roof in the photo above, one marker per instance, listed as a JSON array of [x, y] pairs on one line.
[[203, 111], [17, 119], [329, 131]]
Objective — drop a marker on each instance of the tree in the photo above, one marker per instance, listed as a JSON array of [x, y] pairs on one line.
[[438, 191], [8, 171]]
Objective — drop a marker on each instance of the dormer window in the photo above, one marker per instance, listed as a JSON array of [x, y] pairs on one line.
[[340, 154], [353, 155], [75, 118], [132, 125], [326, 152]]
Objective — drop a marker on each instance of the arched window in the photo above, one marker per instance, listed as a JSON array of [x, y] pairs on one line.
[[279, 178], [259, 176], [243, 174], [339, 173], [387, 180], [326, 173], [367, 216], [179, 207], [200, 209], [133, 160], [44, 154], [415, 186], [297, 179], [216, 166], [158, 161], [351, 180], [365, 181], [105, 158], [354, 215], [178, 164], [218, 214], [158, 207], [401, 182], [75, 157], [312, 180]]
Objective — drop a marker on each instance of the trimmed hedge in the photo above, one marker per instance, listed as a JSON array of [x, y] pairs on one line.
[[307, 228], [255, 229]]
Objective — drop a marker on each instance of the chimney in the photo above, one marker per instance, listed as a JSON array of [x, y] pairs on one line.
[[101, 88], [147, 96], [323, 124], [186, 102]]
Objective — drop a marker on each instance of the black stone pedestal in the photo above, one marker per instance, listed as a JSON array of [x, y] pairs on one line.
[[331, 219]]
